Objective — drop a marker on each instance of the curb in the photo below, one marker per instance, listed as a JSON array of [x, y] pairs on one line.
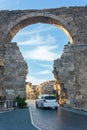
[[74, 111]]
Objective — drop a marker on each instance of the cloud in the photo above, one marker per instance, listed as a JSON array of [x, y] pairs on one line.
[[38, 29], [46, 66], [38, 40], [45, 72], [43, 53], [34, 80]]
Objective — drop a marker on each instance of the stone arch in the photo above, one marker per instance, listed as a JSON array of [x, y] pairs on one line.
[[29, 19], [73, 21], [26, 20]]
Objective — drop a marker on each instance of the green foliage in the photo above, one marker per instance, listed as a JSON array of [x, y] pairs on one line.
[[20, 102], [57, 96]]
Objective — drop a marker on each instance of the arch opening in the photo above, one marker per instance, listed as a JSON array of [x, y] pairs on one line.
[[39, 19], [30, 85]]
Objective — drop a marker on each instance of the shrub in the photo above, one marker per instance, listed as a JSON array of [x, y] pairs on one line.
[[20, 102]]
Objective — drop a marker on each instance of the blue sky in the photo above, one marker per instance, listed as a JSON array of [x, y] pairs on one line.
[[39, 43], [39, 4]]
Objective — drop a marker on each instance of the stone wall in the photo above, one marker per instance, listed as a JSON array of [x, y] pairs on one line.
[[80, 63], [47, 87], [1, 69], [70, 70], [15, 70], [32, 91]]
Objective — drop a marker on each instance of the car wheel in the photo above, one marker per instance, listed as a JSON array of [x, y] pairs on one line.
[[56, 108], [36, 105]]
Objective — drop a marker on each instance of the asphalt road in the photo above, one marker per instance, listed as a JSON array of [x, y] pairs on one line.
[[16, 120], [47, 119], [61, 119]]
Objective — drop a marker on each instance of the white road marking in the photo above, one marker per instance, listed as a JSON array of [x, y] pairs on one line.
[[33, 121]]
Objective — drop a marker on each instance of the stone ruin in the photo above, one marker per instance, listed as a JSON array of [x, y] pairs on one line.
[[70, 70], [71, 73], [15, 70]]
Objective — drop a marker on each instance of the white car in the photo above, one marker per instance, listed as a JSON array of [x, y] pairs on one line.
[[47, 100]]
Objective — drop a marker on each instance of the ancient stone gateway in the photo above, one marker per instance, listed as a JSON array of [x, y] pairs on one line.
[[73, 21]]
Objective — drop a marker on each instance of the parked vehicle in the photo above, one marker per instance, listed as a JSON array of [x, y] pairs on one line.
[[47, 100]]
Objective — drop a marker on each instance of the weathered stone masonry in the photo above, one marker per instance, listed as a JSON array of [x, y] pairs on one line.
[[15, 70], [71, 73], [73, 21]]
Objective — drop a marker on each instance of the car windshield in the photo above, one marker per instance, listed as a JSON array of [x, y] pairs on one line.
[[50, 97]]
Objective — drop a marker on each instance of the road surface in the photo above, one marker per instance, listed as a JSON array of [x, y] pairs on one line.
[[61, 119]]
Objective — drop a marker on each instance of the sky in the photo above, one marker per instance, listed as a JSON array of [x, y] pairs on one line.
[[40, 44]]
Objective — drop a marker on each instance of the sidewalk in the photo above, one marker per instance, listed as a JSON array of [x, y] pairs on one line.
[[16, 120]]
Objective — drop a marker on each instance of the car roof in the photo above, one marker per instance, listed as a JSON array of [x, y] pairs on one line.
[[43, 95]]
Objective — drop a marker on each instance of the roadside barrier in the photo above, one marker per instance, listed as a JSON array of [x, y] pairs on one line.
[[7, 105]]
